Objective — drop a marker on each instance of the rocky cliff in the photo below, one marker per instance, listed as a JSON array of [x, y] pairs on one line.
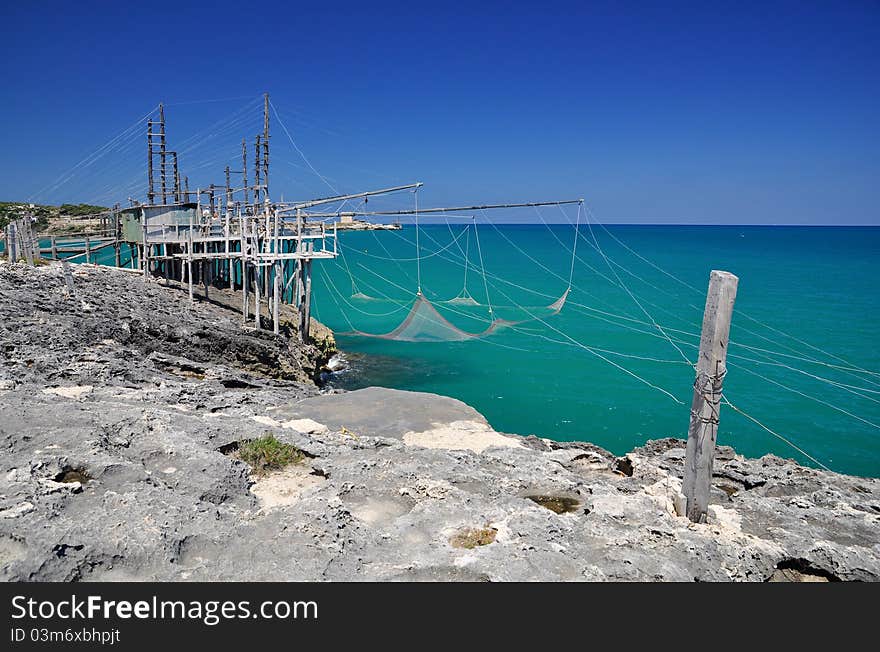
[[122, 407]]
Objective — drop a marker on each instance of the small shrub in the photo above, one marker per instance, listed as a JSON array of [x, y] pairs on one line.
[[268, 454]]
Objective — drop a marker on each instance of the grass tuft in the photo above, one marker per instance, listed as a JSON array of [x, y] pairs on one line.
[[268, 454]]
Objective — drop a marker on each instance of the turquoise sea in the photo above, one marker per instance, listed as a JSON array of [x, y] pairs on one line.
[[804, 358]]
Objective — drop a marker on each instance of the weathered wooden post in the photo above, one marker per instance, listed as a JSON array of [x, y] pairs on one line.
[[266, 146], [257, 166], [54, 248], [276, 299], [27, 239], [68, 278], [88, 250], [306, 300], [247, 192], [706, 405], [162, 152], [11, 243], [244, 269], [35, 242], [117, 232]]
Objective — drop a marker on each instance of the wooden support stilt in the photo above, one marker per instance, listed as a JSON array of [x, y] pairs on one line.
[[167, 264], [706, 405], [206, 275], [244, 271], [88, 250], [189, 265], [306, 308], [55, 249], [11, 245], [27, 239], [143, 253], [256, 287], [35, 242], [276, 300], [297, 274]]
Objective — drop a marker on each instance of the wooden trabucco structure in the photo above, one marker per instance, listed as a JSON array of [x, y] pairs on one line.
[[229, 236], [266, 255]]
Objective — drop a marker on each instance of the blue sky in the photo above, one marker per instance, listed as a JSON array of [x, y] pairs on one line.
[[760, 113]]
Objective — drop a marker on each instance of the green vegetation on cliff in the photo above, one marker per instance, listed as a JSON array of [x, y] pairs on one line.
[[11, 210]]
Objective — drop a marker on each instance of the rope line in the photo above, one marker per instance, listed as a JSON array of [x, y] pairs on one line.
[[482, 267], [418, 249], [727, 402], [632, 296]]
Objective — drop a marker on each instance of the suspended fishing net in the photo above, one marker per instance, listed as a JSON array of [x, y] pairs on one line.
[[463, 299], [424, 323], [460, 318], [557, 305]]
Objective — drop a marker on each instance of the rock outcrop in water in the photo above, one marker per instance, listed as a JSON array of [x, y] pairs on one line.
[[121, 408]]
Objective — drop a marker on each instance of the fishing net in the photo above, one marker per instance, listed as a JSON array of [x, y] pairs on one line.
[[424, 323]]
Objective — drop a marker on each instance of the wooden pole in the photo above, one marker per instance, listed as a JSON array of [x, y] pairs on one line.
[[88, 250], [255, 245], [151, 186], [276, 299], [207, 273], [247, 192], [307, 306], [55, 249], [227, 263], [116, 234], [297, 273], [266, 145], [144, 261], [28, 239], [228, 190], [162, 153], [166, 263], [176, 178], [257, 173], [35, 241], [256, 287], [706, 405], [189, 256], [10, 242], [244, 271]]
